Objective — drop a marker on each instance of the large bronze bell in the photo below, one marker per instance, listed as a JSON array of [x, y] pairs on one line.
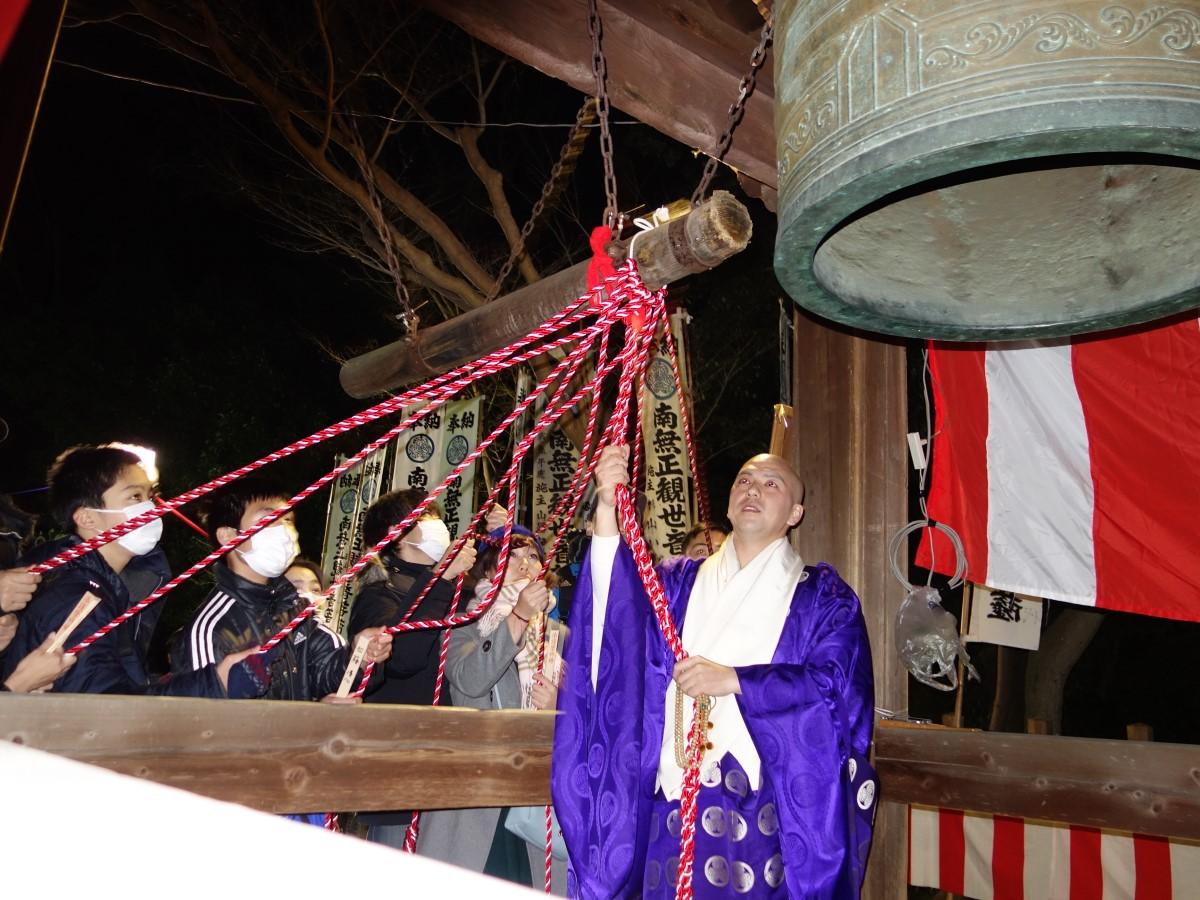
[[988, 170]]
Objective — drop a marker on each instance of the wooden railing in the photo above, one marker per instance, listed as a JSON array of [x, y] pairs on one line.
[[1148, 788], [298, 757], [306, 757]]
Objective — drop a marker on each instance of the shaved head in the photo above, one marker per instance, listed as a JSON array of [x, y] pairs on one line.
[[773, 462], [765, 502]]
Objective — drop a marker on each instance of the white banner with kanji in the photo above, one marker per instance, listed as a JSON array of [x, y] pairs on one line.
[[554, 462], [432, 449], [669, 505], [1004, 617], [352, 493]]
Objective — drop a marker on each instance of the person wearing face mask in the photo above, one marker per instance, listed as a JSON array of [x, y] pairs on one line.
[[306, 576], [252, 600], [387, 590], [93, 489], [142, 575]]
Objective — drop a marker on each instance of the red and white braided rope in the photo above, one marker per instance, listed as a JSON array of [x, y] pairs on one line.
[[554, 410], [606, 298], [439, 399], [414, 825], [456, 379], [658, 601], [565, 369]]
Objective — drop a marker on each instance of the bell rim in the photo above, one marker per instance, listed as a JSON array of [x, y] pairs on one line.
[[804, 229]]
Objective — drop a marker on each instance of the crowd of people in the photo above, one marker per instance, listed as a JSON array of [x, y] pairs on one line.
[[794, 666]]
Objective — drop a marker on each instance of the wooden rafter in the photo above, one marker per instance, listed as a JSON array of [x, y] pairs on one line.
[[658, 54]]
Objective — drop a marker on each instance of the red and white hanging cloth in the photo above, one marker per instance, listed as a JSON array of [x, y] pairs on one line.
[[1000, 858], [1071, 468]]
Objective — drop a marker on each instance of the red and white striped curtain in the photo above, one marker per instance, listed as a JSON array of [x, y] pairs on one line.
[[1071, 468], [1001, 858]]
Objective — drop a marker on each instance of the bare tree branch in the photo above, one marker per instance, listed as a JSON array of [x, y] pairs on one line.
[[319, 11]]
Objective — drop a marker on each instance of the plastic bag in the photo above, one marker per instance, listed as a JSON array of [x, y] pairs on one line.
[[927, 640], [529, 824]]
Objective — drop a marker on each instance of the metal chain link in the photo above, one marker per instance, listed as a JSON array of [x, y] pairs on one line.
[[736, 110], [552, 188], [600, 71]]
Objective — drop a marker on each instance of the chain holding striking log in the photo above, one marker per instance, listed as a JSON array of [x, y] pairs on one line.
[[736, 110], [600, 74], [551, 191]]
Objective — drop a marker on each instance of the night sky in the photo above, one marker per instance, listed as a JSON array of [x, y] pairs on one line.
[[146, 299]]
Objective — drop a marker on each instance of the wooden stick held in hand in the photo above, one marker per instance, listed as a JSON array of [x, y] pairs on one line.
[[356, 660], [81, 611]]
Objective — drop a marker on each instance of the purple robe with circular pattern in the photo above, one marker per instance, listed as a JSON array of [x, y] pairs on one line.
[[809, 713]]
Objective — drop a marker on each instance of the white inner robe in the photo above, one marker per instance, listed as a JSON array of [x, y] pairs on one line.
[[735, 617]]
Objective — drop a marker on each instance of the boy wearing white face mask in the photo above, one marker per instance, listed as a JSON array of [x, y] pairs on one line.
[[93, 489], [253, 600]]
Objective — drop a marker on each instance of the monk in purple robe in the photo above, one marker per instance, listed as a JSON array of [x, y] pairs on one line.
[[787, 795]]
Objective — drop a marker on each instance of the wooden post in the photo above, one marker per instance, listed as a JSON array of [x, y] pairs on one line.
[[1139, 731], [783, 436], [711, 233], [850, 424], [964, 624]]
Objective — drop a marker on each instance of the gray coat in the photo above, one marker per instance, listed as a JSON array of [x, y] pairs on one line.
[[481, 674]]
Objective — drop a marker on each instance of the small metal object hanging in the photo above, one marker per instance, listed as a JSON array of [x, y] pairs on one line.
[[736, 110]]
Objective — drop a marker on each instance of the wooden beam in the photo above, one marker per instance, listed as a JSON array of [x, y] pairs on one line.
[[716, 230], [298, 757], [673, 64], [306, 757], [1149, 788], [848, 391]]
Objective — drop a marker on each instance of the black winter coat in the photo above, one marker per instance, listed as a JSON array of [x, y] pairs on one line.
[[239, 614], [112, 665], [142, 576], [411, 671]]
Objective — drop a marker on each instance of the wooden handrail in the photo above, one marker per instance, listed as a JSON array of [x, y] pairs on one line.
[[310, 757], [1148, 788], [298, 757]]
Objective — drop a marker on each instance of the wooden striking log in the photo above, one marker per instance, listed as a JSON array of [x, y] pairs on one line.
[[298, 757], [716, 230], [1126, 785]]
